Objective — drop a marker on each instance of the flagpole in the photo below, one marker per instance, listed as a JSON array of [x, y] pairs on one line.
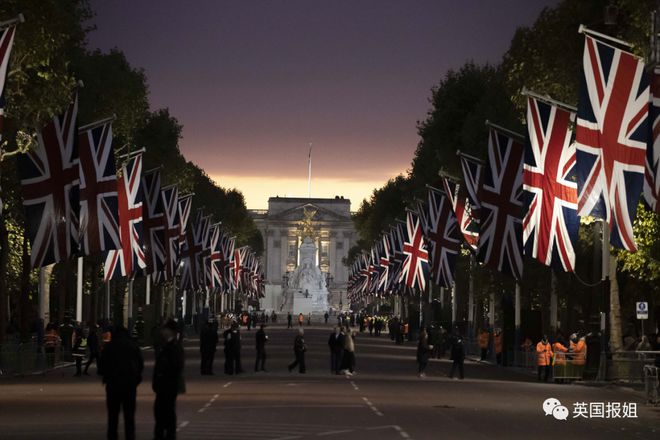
[[18, 19], [585, 30], [147, 299], [97, 123], [44, 293], [547, 100], [79, 290], [471, 298], [309, 173]]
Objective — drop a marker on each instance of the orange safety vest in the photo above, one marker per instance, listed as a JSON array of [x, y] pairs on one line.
[[483, 340], [50, 339], [559, 348], [543, 354], [497, 342], [579, 352]]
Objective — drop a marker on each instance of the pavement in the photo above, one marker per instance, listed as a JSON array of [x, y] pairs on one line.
[[384, 400]]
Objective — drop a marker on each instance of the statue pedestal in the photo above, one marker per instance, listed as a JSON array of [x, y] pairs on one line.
[[307, 292]]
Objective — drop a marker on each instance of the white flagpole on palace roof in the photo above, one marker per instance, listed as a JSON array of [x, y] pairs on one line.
[[309, 173]]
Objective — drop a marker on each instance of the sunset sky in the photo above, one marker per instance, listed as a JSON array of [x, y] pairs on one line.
[[253, 82]]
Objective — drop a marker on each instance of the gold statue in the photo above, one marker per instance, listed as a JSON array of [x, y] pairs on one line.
[[306, 226]]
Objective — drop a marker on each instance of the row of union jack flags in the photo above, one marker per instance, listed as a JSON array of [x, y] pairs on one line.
[[78, 203], [527, 196]]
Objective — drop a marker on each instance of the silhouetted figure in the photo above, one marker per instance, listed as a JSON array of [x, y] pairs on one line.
[[208, 340], [229, 359], [336, 344], [121, 367], [299, 350], [458, 356], [289, 318], [93, 347], [167, 382], [260, 344]]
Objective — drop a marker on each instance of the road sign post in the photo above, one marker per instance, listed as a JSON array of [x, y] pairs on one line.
[[642, 309]]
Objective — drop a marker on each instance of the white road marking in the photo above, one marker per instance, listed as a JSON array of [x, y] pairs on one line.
[[339, 431], [226, 385], [373, 408], [216, 396], [355, 387], [182, 425], [201, 410], [401, 432]]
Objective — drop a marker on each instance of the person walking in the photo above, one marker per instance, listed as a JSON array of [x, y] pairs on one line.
[[423, 353], [326, 316], [51, 342], [336, 345], [260, 343], [208, 341], [497, 345], [483, 343], [349, 352], [544, 358], [289, 319], [167, 382], [93, 348], [299, 350], [457, 356], [79, 344], [229, 359], [121, 367], [301, 319], [235, 349]]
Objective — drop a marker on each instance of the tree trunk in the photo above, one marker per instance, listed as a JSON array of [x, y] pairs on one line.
[[616, 340], [24, 300]]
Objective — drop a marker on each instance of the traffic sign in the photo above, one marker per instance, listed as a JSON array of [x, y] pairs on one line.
[[642, 309]]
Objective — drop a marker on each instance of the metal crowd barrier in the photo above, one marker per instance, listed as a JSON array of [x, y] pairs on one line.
[[26, 358], [651, 384], [568, 366]]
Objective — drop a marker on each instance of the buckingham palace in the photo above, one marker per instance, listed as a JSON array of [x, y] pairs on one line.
[[290, 220]]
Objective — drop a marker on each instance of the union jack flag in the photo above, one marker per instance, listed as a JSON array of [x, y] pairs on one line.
[[216, 257], [50, 184], [611, 136], [443, 238], [462, 208], [652, 174], [185, 207], [228, 247], [130, 257], [191, 250], [399, 235], [500, 236], [384, 263], [154, 223], [99, 220], [415, 268], [551, 223], [169, 197], [6, 43]]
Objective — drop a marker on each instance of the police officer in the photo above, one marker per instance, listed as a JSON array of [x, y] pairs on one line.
[[167, 382]]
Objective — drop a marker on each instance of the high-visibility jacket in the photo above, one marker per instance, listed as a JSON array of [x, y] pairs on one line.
[[579, 350], [483, 340], [497, 343], [559, 348], [543, 354]]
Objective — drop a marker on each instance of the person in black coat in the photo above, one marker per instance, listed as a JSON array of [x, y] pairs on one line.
[[93, 347], [208, 340], [299, 350], [235, 348], [229, 359], [167, 382], [457, 355], [260, 344], [121, 366], [336, 345], [423, 353]]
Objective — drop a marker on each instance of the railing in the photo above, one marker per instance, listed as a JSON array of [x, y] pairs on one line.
[[26, 358]]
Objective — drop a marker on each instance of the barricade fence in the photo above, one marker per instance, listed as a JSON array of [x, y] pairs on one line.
[[18, 359]]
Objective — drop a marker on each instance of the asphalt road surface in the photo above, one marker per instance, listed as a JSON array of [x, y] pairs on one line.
[[384, 400]]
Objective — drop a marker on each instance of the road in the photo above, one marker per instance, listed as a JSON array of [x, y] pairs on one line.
[[385, 400]]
